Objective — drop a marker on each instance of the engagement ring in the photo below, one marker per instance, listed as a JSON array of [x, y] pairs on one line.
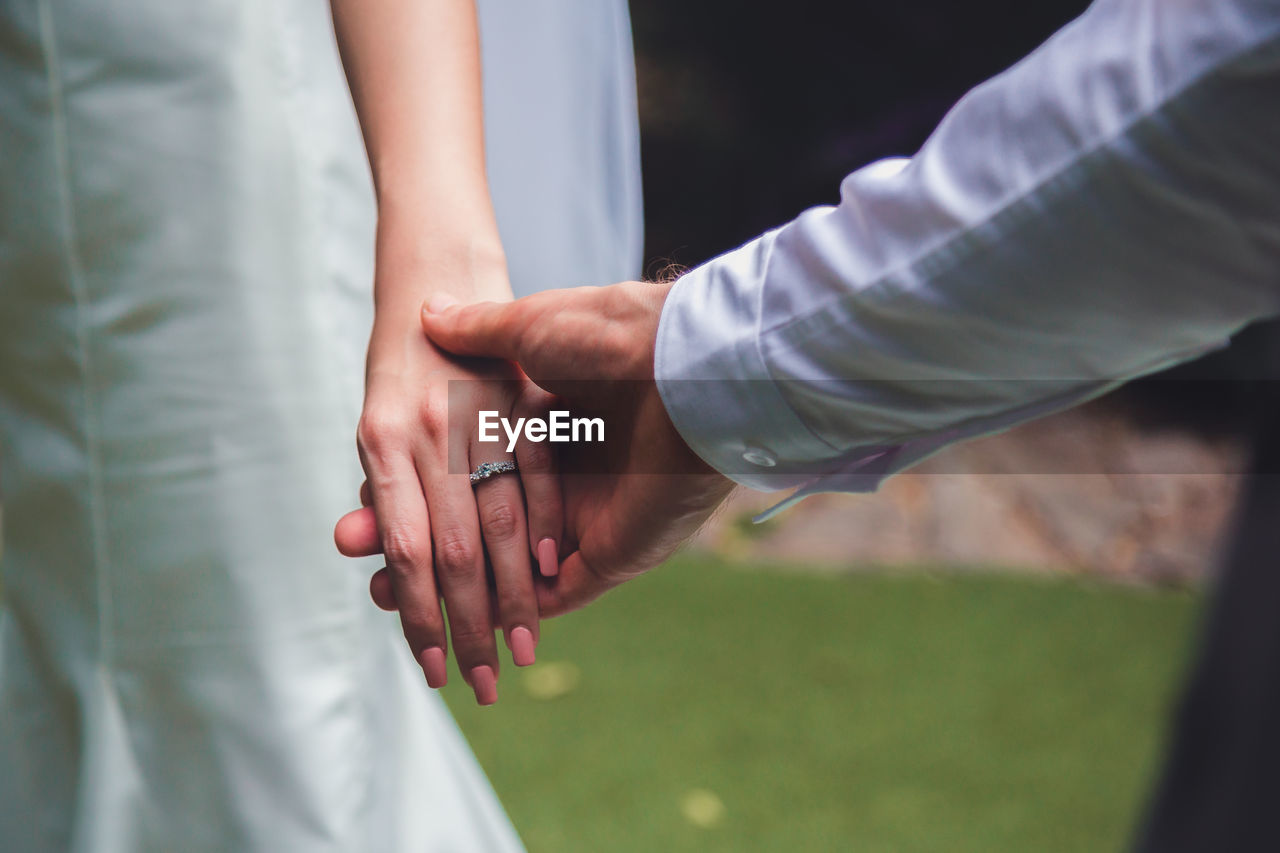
[[491, 469]]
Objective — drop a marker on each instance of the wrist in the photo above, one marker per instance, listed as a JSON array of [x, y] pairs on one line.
[[444, 215], [419, 257]]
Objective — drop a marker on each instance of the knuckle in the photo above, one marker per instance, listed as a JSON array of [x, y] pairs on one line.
[[433, 416], [498, 520], [422, 624], [469, 639], [379, 429], [455, 555], [403, 552]]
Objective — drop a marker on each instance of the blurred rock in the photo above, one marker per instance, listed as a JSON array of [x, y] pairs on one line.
[[1083, 491]]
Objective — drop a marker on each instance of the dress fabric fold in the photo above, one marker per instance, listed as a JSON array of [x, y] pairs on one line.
[[186, 231]]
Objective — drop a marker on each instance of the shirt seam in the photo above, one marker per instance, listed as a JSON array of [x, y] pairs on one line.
[[965, 243]]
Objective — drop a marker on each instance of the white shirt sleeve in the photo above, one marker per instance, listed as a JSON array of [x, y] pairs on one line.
[[1105, 208]]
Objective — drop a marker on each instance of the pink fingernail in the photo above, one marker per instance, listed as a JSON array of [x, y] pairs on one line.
[[440, 302], [548, 558], [485, 684], [432, 661], [522, 646]]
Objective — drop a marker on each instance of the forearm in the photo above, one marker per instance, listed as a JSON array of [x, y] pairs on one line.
[[414, 71], [1101, 210]]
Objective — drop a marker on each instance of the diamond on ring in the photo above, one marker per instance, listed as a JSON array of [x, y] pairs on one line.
[[491, 469]]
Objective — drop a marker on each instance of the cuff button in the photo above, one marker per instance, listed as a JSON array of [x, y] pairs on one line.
[[760, 458]]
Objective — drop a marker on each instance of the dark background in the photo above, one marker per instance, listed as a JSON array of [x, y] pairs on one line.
[[754, 111]]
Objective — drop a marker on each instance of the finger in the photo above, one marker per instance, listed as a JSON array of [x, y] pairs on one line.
[[460, 572], [541, 482], [500, 507], [404, 530], [481, 328], [381, 592], [576, 586], [356, 534]]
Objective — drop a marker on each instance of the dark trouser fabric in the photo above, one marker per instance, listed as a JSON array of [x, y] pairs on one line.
[[1220, 789]]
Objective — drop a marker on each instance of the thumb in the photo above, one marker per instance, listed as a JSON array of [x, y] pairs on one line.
[[576, 585], [356, 534], [489, 329]]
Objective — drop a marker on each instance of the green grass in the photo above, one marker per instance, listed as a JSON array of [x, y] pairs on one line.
[[863, 713]]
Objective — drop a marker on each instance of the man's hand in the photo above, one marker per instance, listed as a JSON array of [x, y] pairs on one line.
[[629, 505]]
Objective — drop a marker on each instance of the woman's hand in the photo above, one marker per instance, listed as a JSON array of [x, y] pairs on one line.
[[628, 504], [414, 74], [418, 441]]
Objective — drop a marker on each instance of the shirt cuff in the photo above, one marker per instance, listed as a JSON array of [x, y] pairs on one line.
[[714, 382], [727, 406]]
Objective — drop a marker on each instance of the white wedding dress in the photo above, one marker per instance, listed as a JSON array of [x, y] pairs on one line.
[[186, 225]]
